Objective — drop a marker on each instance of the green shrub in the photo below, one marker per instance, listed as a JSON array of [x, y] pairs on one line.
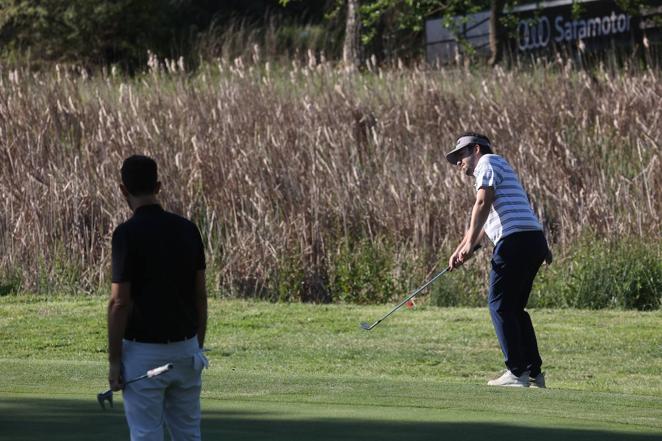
[[624, 273], [594, 274], [10, 282], [550, 288], [465, 286], [363, 272], [289, 279]]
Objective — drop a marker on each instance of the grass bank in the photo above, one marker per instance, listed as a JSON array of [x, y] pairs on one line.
[[283, 369]]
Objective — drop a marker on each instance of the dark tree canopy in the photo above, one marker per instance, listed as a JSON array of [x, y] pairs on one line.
[[98, 32]]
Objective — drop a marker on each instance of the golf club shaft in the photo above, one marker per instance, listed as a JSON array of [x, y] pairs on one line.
[[412, 295], [133, 380], [108, 395], [152, 372]]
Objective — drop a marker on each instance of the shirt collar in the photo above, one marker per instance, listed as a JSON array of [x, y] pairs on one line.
[[148, 209]]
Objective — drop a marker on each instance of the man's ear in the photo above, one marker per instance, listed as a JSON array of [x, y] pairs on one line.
[[157, 187], [124, 190]]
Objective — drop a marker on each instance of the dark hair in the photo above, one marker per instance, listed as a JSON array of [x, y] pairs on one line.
[[139, 175], [485, 146]]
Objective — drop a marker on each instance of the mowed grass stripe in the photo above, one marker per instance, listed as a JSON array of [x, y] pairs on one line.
[[68, 378], [248, 419], [36, 418]]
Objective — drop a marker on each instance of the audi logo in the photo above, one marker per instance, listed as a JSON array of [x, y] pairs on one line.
[[533, 35]]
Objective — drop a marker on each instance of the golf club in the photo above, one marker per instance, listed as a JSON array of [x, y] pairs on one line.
[[367, 326], [102, 397]]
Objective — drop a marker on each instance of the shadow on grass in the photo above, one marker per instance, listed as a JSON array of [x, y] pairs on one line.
[[58, 419]]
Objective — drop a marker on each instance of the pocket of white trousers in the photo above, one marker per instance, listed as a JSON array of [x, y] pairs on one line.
[[200, 361]]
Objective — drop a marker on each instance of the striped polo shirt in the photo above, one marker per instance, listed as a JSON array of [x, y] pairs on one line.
[[511, 211]]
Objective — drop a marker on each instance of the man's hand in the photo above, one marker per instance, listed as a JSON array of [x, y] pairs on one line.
[[115, 380], [465, 252], [454, 261], [461, 255]]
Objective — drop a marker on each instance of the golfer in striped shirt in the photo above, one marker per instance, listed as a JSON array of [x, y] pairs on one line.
[[503, 213]]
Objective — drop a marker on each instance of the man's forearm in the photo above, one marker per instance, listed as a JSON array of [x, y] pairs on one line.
[[201, 306], [202, 321], [481, 235], [462, 242], [478, 218], [119, 308], [117, 319], [479, 214]]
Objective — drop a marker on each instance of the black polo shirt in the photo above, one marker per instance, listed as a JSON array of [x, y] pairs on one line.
[[158, 253]]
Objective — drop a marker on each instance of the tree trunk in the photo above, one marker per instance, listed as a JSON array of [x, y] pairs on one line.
[[351, 46], [496, 32]]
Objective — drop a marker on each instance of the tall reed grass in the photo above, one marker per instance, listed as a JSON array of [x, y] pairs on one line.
[[299, 174]]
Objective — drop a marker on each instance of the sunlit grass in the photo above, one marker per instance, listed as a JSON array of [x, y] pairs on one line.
[[278, 370]]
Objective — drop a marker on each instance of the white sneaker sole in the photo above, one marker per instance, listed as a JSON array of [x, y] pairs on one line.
[[493, 383]]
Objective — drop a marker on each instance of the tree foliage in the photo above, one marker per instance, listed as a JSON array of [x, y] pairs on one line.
[[88, 31], [121, 31], [396, 28]]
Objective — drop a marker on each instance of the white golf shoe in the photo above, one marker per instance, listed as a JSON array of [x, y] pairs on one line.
[[538, 381], [511, 380]]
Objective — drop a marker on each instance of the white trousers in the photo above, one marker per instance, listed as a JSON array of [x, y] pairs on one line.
[[172, 398]]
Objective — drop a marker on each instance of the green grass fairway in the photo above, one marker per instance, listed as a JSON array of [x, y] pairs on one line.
[[289, 372]]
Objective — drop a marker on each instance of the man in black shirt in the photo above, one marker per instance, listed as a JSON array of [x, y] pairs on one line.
[[157, 312]]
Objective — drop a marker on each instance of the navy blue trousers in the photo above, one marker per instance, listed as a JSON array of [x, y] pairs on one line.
[[515, 263]]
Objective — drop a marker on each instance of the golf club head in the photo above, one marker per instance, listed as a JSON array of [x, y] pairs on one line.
[[102, 397], [366, 326]]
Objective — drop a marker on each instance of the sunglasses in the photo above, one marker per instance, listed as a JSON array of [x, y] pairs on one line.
[[465, 151]]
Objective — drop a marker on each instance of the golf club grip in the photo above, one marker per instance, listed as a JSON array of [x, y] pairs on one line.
[[476, 248], [159, 370]]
